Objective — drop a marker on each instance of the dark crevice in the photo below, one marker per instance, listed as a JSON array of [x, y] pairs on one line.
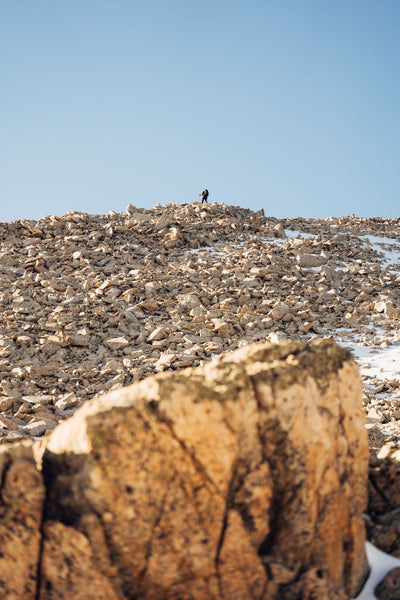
[[228, 504], [260, 409], [279, 497], [265, 546], [4, 474], [348, 549], [187, 451], [229, 426], [377, 489], [265, 588], [324, 410], [62, 505], [47, 478], [54, 510], [157, 521], [41, 542], [195, 506], [285, 588], [3, 480]]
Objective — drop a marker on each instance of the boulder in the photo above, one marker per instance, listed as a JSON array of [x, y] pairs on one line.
[[279, 232], [279, 310], [244, 478], [158, 333], [389, 588], [309, 261], [189, 300]]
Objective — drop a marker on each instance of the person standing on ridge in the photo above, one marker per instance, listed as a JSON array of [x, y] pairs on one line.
[[204, 196]]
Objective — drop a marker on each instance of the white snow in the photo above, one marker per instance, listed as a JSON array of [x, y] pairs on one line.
[[290, 234], [388, 248], [205, 249], [379, 363]]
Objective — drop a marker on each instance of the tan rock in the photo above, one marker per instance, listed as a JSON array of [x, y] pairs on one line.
[[165, 361], [379, 306], [189, 301], [67, 401], [210, 451], [148, 306], [44, 399], [384, 486], [159, 333], [279, 232], [36, 427], [139, 214], [78, 339], [38, 370], [110, 276], [114, 383], [6, 403], [117, 343], [8, 423], [68, 560], [112, 366], [222, 328], [279, 310], [310, 260], [14, 436], [162, 222], [390, 311]]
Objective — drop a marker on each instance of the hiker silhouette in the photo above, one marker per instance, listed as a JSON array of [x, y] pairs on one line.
[[204, 196]]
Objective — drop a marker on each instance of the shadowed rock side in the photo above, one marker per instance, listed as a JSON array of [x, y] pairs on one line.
[[245, 478], [22, 496]]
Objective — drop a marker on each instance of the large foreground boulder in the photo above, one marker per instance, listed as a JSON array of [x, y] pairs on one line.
[[244, 479]]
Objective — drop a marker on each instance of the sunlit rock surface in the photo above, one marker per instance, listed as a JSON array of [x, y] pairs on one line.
[[244, 478]]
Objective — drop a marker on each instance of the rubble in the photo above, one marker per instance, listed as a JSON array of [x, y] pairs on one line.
[[86, 298], [90, 303]]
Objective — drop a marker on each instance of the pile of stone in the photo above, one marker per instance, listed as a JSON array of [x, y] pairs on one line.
[[91, 303]]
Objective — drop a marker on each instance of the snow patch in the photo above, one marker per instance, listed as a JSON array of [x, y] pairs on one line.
[[387, 248], [378, 363]]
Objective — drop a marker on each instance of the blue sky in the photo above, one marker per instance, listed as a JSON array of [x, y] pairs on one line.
[[288, 105]]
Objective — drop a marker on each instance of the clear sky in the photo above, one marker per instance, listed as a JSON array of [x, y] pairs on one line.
[[289, 105]]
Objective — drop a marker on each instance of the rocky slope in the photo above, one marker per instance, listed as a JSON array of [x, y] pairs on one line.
[[91, 303]]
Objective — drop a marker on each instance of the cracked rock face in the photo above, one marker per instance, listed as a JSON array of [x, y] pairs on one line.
[[244, 478]]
